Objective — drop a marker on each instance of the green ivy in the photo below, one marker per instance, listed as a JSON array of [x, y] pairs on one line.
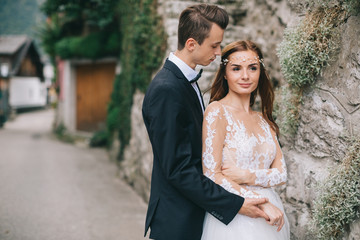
[[93, 46], [49, 34], [142, 51], [98, 14], [338, 204], [130, 29], [80, 29]]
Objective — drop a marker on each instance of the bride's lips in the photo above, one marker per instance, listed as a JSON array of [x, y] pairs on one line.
[[245, 85]]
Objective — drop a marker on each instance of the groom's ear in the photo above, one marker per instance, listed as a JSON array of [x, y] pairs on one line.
[[190, 44]]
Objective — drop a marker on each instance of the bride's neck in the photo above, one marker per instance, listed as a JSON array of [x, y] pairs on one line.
[[240, 102]]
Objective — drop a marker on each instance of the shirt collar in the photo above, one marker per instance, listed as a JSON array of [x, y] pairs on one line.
[[188, 72]]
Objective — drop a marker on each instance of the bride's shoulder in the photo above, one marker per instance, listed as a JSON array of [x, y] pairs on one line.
[[215, 105], [214, 108]]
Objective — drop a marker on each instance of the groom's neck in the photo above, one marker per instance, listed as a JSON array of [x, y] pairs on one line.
[[186, 57]]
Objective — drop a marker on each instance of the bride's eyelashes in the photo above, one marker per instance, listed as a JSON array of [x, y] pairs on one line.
[[252, 68]]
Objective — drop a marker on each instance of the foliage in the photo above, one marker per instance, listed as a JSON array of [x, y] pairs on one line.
[[307, 47], [352, 7], [305, 50], [91, 29], [99, 139], [142, 50], [93, 13], [92, 46], [61, 134], [339, 197], [286, 109], [49, 34], [82, 29]]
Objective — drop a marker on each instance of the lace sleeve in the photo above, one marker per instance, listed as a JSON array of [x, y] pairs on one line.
[[270, 177], [276, 175], [214, 132]]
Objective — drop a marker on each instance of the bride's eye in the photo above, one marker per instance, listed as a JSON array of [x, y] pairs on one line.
[[253, 68], [235, 69]]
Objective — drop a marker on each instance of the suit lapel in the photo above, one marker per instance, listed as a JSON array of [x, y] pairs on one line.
[[201, 97], [189, 88]]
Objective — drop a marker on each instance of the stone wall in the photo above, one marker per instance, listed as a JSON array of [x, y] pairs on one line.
[[330, 112], [329, 117]]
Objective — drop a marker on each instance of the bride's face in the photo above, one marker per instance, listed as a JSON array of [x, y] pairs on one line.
[[242, 72]]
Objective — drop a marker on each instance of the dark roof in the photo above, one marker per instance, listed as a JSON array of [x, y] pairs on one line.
[[16, 47], [9, 44]]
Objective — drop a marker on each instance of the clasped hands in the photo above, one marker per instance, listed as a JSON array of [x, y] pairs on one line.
[[253, 207]]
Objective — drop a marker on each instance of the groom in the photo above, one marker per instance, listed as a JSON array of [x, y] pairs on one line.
[[173, 113]]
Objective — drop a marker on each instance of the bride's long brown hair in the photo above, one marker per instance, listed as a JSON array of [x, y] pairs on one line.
[[220, 87]]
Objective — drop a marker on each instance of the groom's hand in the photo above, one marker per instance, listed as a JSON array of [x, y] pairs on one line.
[[251, 209]]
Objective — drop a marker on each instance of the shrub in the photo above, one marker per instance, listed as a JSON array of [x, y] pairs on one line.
[[93, 46], [305, 50], [62, 134], [100, 139], [339, 197], [286, 109], [307, 47]]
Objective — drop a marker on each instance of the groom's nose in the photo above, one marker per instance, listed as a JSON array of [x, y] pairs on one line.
[[218, 51]]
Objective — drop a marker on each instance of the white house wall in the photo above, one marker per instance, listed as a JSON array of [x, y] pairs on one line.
[[69, 98], [27, 92]]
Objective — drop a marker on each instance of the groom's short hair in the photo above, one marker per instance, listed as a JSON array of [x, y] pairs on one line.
[[196, 21]]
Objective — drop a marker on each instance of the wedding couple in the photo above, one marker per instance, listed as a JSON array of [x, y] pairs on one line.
[[213, 169]]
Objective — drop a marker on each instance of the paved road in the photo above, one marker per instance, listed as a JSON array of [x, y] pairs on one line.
[[51, 190]]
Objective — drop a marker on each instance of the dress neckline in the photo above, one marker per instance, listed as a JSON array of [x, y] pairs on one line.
[[258, 114]]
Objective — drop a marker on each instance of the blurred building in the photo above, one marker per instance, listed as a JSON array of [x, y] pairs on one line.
[[85, 89], [21, 75]]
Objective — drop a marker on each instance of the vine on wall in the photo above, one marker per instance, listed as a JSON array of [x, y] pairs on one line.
[[142, 51], [128, 29]]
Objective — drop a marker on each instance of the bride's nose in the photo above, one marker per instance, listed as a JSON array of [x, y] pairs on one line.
[[244, 75]]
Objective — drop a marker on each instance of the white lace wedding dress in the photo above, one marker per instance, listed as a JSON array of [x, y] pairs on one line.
[[248, 140]]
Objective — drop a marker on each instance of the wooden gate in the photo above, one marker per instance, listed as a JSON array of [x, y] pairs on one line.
[[94, 84]]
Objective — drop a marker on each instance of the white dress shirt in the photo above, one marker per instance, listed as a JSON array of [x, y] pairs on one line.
[[188, 72]]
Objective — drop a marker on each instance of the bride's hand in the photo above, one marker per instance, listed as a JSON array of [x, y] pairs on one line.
[[275, 214], [238, 175]]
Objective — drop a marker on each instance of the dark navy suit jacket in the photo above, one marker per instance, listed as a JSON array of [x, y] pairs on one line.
[[180, 193]]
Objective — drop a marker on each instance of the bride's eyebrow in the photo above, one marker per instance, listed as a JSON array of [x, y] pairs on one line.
[[239, 65]]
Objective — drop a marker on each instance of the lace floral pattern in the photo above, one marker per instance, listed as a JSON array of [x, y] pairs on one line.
[[208, 158], [227, 186], [271, 177], [254, 151]]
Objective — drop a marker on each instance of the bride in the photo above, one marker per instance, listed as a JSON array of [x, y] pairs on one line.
[[240, 148]]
